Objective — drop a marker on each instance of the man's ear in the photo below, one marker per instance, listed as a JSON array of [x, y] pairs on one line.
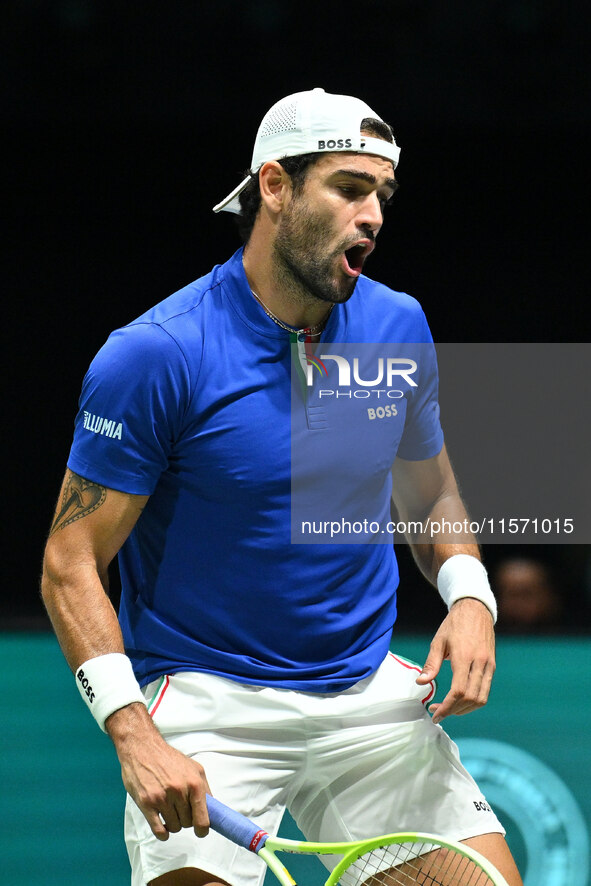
[[275, 185]]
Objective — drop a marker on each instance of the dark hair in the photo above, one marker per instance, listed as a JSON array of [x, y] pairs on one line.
[[297, 169], [250, 198]]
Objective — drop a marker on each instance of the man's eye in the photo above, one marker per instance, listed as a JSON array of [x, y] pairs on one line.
[[386, 202]]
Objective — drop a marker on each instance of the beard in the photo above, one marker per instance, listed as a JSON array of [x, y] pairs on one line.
[[304, 261]]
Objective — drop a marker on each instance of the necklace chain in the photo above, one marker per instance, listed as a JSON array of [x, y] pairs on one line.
[[309, 330]]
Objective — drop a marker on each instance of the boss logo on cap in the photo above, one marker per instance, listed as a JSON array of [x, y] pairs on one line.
[[335, 143]]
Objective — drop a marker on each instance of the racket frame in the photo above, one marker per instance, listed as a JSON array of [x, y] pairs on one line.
[[244, 832], [351, 851]]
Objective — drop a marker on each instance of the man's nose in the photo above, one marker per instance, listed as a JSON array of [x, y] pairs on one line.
[[370, 215]]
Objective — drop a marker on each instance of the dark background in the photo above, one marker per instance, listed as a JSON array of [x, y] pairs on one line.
[[125, 122]]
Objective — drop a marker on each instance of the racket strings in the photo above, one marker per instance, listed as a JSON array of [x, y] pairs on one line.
[[407, 864]]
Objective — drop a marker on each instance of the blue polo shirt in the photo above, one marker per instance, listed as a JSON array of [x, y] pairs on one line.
[[196, 404]]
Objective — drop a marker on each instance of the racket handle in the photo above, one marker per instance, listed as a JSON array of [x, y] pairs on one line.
[[235, 826]]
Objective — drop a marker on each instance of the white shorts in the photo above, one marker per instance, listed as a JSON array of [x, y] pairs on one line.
[[347, 765]]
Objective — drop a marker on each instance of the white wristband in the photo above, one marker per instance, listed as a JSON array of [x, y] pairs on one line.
[[465, 576], [107, 683]]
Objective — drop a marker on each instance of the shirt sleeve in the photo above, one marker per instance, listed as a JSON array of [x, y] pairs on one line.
[[131, 409], [422, 436]]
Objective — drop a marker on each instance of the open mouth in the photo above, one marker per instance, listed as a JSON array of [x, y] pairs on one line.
[[355, 257]]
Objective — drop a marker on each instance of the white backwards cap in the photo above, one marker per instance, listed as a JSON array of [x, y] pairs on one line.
[[309, 123]]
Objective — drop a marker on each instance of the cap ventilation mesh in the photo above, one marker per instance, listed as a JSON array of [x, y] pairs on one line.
[[280, 119]]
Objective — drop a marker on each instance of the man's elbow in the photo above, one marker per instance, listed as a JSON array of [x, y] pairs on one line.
[[62, 570]]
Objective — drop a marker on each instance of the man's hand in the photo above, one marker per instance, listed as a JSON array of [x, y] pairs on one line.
[[466, 637], [168, 787]]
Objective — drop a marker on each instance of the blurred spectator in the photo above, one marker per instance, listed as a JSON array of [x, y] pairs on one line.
[[528, 597]]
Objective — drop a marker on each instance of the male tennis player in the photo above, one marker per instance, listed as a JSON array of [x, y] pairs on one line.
[[264, 666]]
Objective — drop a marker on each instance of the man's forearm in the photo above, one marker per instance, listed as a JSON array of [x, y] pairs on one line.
[[88, 631], [431, 555], [81, 613]]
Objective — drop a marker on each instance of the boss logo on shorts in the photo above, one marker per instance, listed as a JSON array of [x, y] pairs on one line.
[[334, 143], [86, 685], [481, 806]]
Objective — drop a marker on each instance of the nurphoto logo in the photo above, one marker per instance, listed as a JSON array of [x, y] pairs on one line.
[[395, 368]]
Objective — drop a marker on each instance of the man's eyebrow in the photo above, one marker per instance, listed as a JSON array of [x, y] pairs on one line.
[[367, 177]]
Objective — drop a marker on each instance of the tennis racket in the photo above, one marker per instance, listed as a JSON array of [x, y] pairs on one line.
[[391, 860]]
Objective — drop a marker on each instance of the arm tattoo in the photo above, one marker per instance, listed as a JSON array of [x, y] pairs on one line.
[[81, 497]]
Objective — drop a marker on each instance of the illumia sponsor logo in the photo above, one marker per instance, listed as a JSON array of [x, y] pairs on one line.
[[389, 370], [107, 427]]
